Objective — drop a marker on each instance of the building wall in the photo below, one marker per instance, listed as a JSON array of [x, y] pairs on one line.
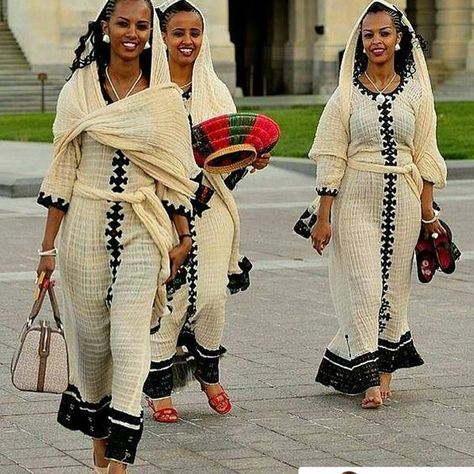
[[296, 58]]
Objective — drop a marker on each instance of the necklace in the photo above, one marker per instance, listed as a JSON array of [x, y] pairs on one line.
[[185, 86], [380, 99], [115, 90]]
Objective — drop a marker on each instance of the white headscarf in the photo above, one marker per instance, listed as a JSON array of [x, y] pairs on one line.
[[210, 97], [426, 116]]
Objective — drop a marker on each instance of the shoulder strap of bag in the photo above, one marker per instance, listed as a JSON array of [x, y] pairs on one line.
[[47, 287]]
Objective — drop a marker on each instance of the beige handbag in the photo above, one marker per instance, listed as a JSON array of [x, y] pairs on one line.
[[40, 363]]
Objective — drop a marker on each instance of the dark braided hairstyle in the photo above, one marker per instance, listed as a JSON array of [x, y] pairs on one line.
[[100, 51], [178, 7], [404, 60]]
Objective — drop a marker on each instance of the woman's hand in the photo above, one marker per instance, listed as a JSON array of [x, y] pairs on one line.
[[178, 255], [46, 265], [432, 229], [321, 235], [261, 162]]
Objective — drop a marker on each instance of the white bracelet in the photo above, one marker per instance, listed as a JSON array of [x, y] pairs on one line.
[[48, 253], [434, 219]]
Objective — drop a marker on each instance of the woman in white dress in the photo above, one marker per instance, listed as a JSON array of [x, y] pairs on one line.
[[377, 163]]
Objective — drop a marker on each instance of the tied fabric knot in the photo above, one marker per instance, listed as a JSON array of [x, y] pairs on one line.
[[410, 171], [154, 218]]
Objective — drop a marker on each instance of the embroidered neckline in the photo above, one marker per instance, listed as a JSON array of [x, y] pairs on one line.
[[366, 91]]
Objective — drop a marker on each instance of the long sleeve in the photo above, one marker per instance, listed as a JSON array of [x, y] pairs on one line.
[[57, 186], [329, 149], [428, 159]]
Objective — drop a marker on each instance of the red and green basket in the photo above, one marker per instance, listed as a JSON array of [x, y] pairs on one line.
[[230, 142]]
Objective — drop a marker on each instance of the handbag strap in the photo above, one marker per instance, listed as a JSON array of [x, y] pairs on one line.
[[46, 287]]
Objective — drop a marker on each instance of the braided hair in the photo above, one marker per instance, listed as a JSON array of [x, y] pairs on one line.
[[178, 7], [404, 60], [100, 51]]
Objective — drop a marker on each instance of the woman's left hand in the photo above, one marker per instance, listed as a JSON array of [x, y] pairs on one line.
[[261, 162], [432, 229], [178, 255]]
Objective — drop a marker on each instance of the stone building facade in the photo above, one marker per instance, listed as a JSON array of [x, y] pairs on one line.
[[260, 47]]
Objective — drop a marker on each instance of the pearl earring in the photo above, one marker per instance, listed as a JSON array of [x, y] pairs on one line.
[[397, 47], [148, 45], [364, 51], [106, 38]]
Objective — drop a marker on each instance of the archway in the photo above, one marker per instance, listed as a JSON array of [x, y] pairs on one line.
[[259, 31]]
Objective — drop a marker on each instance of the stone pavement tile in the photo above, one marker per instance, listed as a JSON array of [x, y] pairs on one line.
[[462, 462], [378, 455], [253, 463], [275, 447], [352, 425], [462, 442], [422, 450], [176, 458], [278, 470], [397, 461], [24, 452], [297, 457], [15, 470], [24, 408], [287, 404], [60, 470], [239, 453], [48, 462], [332, 442], [289, 425], [4, 460]]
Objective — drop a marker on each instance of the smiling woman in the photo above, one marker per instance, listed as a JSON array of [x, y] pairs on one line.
[[118, 243]]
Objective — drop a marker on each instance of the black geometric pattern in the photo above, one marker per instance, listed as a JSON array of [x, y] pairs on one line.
[[240, 281], [349, 376], [124, 434], [51, 201], [235, 177], [77, 415], [99, 421], [115, 216], [159, 383], [324, 191], [389, 153], [398, 355]]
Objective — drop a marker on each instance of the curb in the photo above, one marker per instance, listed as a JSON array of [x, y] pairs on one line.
[[14, 187], [457, 169]]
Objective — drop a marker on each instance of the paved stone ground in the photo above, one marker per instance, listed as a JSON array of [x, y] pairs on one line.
[[276, 334]]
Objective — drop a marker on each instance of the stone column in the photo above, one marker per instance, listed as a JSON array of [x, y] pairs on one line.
[[454, 31], [470, 47], [422, 13], [223, 51], [298, 60]]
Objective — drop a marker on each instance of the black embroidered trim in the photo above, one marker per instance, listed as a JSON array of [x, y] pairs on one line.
[[207, 364], [123, 440], [349, 376], [390, 154], [324, 191], [51, 201], [159, 383], [398, 355], [202, 196], [77, 415], [188, 272], [240, 281], [115, 217], [235, 177]]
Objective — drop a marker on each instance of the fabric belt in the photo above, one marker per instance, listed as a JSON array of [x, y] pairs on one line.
[[410, 171], [151, 212]]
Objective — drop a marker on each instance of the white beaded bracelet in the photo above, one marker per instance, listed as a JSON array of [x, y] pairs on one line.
[[48, 253], [434, 219]]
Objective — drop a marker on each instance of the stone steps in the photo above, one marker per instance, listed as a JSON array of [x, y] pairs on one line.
[[459, 86], [20, 89]]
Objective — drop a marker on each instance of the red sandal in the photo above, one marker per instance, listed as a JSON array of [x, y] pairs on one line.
[[163, 415], [443, 250], [220, 403], [425, 259]]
